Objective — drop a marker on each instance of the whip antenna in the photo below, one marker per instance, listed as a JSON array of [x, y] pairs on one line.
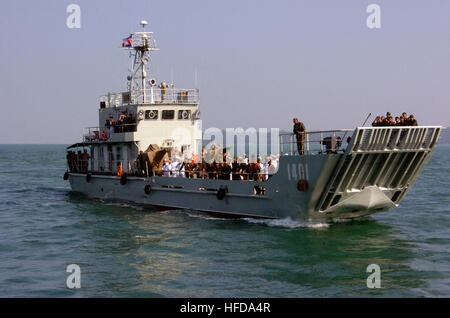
[[370, 114]]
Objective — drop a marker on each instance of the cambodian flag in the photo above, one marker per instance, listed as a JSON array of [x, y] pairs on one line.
[[127, 41]]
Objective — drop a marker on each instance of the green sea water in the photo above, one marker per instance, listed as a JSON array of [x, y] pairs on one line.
[[127, 250]]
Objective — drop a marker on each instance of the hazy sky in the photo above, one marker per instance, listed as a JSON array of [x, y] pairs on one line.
[[259, 63]]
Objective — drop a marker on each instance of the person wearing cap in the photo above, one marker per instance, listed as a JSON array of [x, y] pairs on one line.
[[389, 121], [389, 116], [412, 121], [376, 122], [404, 119], [271, 169], [299, 132]]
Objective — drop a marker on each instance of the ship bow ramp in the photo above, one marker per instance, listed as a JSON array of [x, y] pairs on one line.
[[376, 171]]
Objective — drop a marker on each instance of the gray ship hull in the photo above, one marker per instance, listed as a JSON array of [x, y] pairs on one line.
[[281, 199]]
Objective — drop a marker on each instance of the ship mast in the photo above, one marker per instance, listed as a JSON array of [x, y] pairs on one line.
[[140, 45]]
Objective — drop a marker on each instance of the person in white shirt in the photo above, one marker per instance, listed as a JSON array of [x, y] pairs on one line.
[[261, 169], [271, 169], [166, 168], [245, 159], [266, 167], [187, 154], [178, 169], [274, 163], [174, 168]]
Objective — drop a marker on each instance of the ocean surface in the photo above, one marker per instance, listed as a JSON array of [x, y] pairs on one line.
[[126, 250]]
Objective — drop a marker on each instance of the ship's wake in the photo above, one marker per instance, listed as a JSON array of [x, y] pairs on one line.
[[289, 223]]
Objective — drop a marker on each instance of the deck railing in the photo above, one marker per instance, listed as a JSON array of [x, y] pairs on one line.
[[153, 95], [366, 139], [316, 142], [401, 138], [131, 168], [100, 134]]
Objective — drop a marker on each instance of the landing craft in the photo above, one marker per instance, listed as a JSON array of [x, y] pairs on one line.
[[336, 177]]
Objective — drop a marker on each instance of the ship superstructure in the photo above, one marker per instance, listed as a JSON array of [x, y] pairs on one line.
[[154, 114]]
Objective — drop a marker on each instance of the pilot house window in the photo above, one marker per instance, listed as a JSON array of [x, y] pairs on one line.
[[168, 114]]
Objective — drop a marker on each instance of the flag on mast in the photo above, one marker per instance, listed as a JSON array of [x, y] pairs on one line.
[[127, 41]]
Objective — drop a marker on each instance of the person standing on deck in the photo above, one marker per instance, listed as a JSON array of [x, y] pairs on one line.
[[166, 167], [163, 87], [245, 159], [110, 125], [235, 169], [412, 121], [143, 162], [299, 132], [377, 122], [85, 160]]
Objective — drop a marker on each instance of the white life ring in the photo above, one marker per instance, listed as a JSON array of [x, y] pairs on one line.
[[152, 114], [185, 114]]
